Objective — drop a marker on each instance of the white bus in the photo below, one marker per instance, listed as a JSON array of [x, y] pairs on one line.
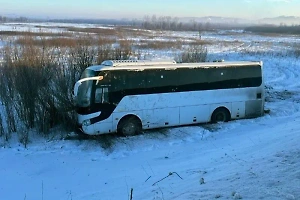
[[129, 96]]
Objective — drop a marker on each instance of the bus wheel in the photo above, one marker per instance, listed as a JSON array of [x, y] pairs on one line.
[[220, 115], [130, 126]]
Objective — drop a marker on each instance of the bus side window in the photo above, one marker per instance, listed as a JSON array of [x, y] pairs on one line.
[[105, 98], [98, 95], [101, 95], [118, 82], [135, 79]]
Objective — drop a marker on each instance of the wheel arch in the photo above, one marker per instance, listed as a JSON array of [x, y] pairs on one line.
[[218, 108], [128, 116]]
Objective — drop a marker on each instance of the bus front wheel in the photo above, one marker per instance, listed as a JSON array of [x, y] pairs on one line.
[[129, 126], [220, 115]]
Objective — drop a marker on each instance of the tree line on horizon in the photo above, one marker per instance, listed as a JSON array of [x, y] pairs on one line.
[[167, 23], [282, 29], [4, 19]]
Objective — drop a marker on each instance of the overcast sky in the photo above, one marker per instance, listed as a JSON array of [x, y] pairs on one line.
[[248, 9]]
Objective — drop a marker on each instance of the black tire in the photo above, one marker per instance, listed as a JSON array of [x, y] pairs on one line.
[[130, 126], [220, 115]]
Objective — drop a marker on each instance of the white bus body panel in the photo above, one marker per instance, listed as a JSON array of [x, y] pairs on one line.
[[81, 118], [194, 114], [181, 108], [238, 110], [161, 117], [98, 128], [180, 99]]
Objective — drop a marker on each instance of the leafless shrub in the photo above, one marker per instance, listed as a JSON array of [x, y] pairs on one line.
[[198, 42], [50, 42], [83, 54], [115, 32], [129, 32], [109, 53], [37, 79], [6, 96], [23, 135], [2, 132], [29, 73], [100, 31], [193, 54], [167, 44], [60, 104], [103, 52], [28, 86], [120, 54], [297, 52], [29, 33], [102, 41]]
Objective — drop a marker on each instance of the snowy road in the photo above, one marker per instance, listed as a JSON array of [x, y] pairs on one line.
[[252, 159]]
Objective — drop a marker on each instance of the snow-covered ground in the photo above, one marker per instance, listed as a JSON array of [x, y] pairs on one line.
[[245, 159], [45, 27], [252, 159]]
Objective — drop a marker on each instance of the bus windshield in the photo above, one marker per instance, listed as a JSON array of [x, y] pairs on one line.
[[84, 94], [88, 73]]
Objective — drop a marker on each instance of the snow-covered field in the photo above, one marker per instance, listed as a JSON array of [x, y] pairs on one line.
[[245, 159], [44, 27]]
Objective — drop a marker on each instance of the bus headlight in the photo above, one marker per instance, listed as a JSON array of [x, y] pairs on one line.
[[86, 122]]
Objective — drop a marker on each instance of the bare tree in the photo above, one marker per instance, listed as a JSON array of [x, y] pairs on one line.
[[197, 53]]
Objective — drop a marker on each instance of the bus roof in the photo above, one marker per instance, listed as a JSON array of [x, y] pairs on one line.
[[141, 65], [120, 63]]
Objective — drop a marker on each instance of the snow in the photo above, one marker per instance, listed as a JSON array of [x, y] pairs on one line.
[[46, 27], [257, 158], [243, 159]]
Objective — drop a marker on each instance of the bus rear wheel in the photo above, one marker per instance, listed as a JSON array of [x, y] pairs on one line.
[[130, 126], [220, 115]]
